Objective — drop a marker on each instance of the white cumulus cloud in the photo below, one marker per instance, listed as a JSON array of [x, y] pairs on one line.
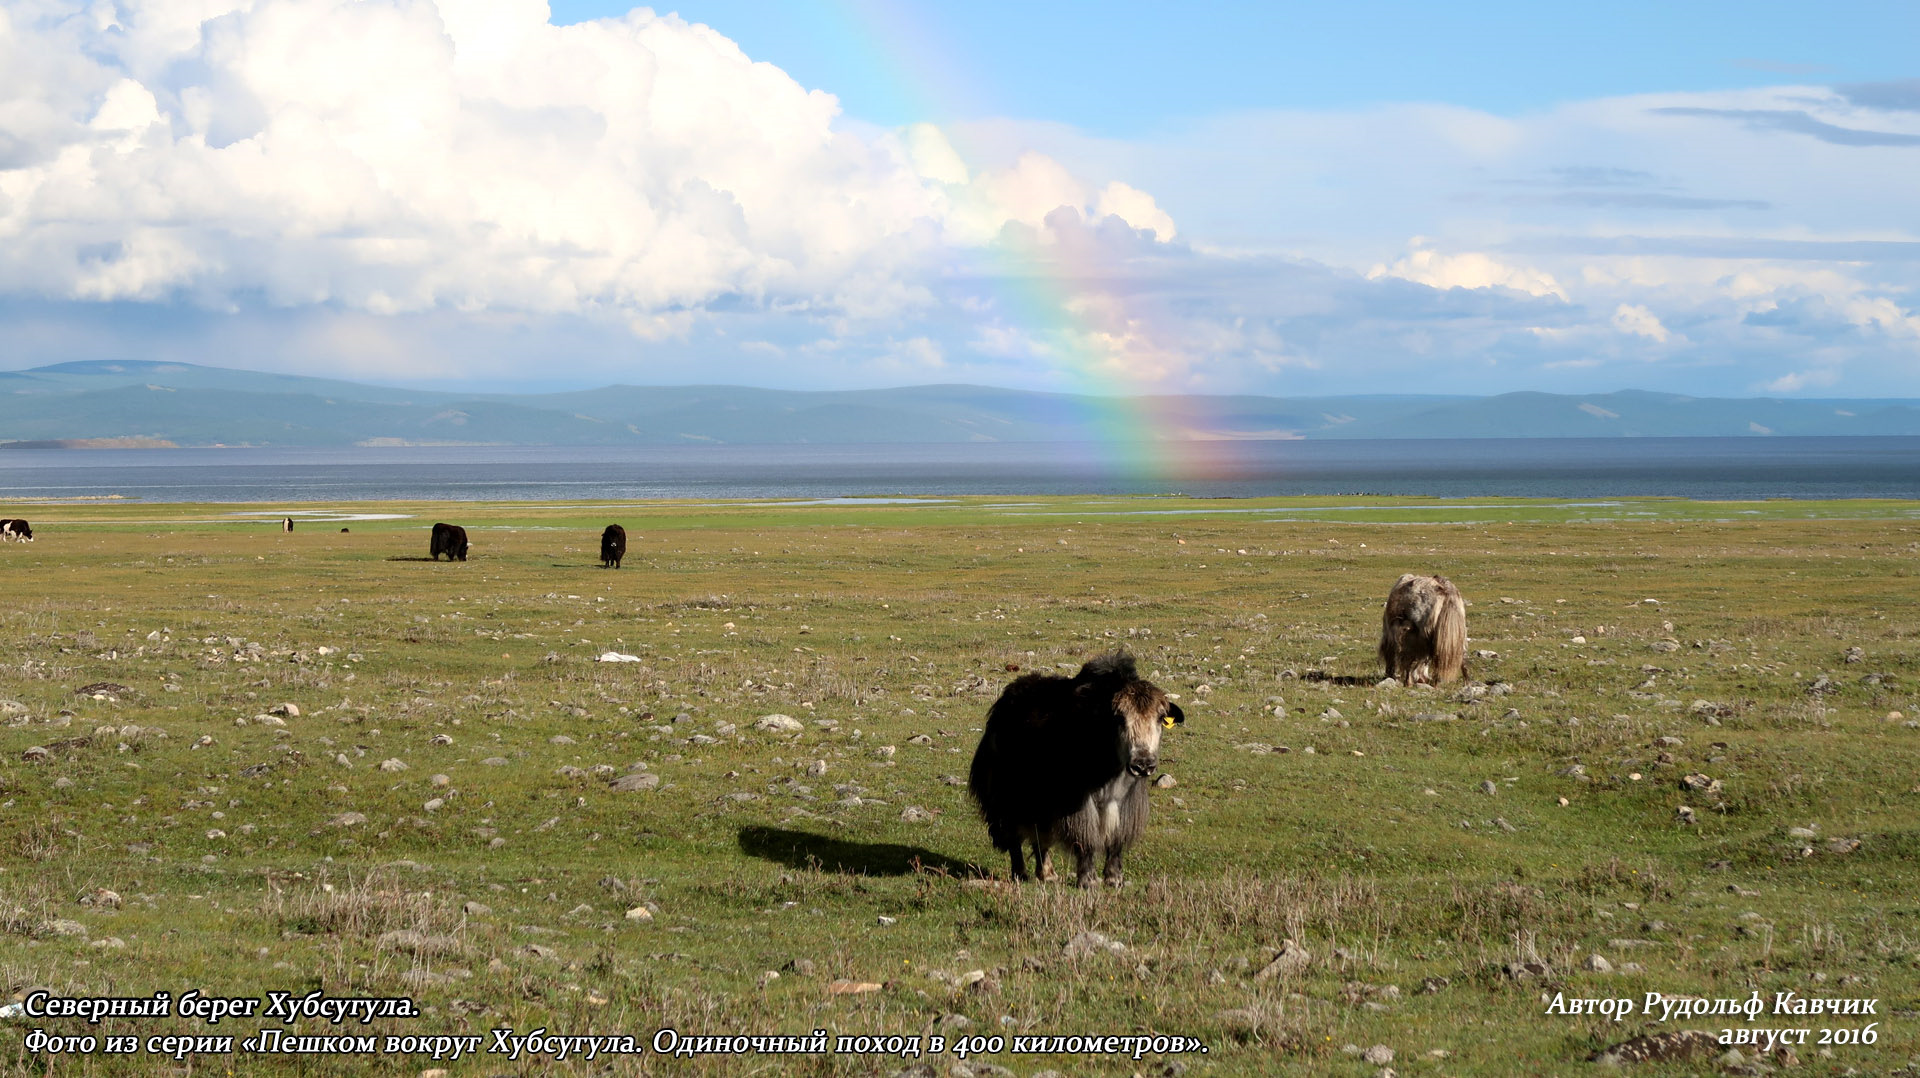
[[401, 156]]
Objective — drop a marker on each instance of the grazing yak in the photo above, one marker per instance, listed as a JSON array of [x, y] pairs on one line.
[[1069, 760], [613, 546], [1423, 631], [286, 524], [449, 539], [14, 528]]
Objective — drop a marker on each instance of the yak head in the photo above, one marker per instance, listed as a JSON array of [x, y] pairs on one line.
[[1140, 712]]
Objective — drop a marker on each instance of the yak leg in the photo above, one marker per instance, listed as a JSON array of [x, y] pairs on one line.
[[1019, 858], [1083, 857], [1043, 857], [1111, 873]]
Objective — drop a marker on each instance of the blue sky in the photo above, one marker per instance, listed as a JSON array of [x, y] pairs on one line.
[[1128, 68], [1705, 198]]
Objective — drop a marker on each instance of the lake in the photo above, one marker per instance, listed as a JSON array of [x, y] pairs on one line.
[[1700, 468]]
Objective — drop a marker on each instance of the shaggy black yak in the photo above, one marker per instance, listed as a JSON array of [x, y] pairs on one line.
[[1069, 760]]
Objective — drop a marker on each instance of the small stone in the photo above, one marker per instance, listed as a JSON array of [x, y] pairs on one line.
[[1597, 964], [434, 804], [636, 781], [779, 724], [440, 781], [1579, 640], [36, 754], [915, 814], [291, 711], [495, 761], [347, 819], [886, 922], [1289, 960], [640, 913], [476, 909], [1088, 942], [1488, 787], [392, 764], [1379, 1055], [1166, 781], [440, 739]]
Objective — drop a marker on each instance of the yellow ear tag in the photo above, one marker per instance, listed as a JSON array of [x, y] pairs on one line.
[[1167, 721]]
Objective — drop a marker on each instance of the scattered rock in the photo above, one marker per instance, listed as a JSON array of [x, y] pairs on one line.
[[915, 814], [1166, 781], [851, 988], [640, 913], [495, 761], [636, 781], [392, 764], [1700, 783], [347, 819], [1854, 655], [1379, 1055], [778, 724], [1679, 1046], [1288, 961], [1488, 787], [36, 754], [1842, 845], [290, 711], [1597, 964], [1087, 942]]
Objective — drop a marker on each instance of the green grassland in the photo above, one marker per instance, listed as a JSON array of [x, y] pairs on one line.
[[440, 820]]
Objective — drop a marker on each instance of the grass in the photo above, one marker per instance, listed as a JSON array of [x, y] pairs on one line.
[[252, 852]]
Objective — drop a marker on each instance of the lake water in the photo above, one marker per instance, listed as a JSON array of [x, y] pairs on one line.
[[1702, 468]]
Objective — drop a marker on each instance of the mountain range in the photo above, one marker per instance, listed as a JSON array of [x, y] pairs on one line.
[[164, 404]]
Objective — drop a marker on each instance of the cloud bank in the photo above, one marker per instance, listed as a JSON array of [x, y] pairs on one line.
[[436, 189]]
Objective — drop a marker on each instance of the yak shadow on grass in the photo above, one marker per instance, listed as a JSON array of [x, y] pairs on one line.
[[803, 849], [404, 557], [1343, 680]]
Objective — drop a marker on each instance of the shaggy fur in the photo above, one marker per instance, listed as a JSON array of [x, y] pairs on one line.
[[1067, 760], [449, 539], [1423, 631], [613, 546], [14, 528]]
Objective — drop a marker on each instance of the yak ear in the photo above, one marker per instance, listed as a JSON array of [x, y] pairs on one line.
[[1174, 712]]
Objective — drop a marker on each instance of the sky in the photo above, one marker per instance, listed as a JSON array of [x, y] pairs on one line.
[[1710, 198]]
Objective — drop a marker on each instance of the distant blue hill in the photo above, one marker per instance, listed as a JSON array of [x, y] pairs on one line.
[[147, 403]]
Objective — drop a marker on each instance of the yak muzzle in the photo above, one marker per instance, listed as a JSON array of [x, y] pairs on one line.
[[1143, 765]]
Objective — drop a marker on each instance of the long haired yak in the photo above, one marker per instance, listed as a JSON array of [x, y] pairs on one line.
[[1068, 760], [613, 546], [448, 539], [1423, 631]]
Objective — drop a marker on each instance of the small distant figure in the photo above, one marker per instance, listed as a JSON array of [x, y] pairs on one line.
[[344, 531], [286, 524], [14, 529], [449, 539], [1423, 631], [613, 546]]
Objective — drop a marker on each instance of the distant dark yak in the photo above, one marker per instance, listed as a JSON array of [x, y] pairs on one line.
[[286, 524], [613, 546], [1423, 631], [449, 539], [14, 528], [1068, 760]]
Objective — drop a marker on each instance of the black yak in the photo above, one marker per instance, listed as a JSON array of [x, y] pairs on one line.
[[14, 528], [449, 539], [286, 524], [1423, 631], [1069, 760], [613, 546]]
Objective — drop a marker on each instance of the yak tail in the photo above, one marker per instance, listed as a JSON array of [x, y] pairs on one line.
[[1447, 627]]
